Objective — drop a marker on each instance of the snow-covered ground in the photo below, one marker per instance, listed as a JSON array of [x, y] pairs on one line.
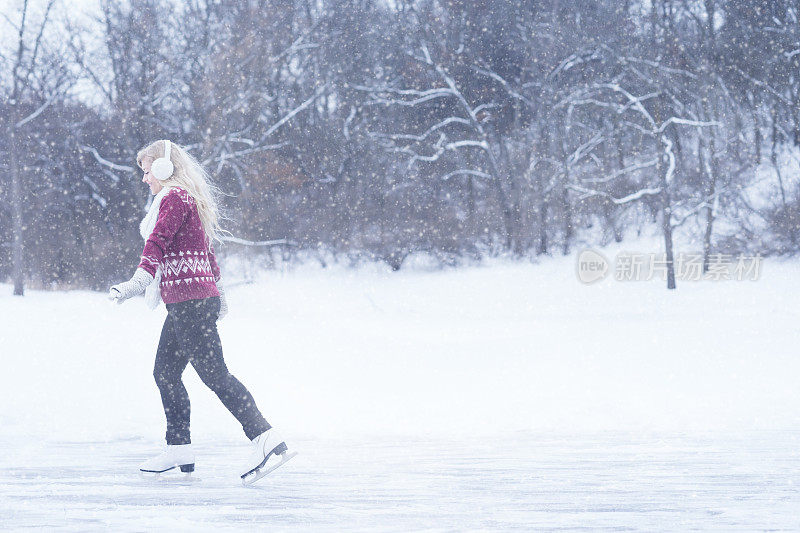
[[508, 395]]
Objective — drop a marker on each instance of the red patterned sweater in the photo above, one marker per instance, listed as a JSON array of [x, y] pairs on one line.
[[179, 245]]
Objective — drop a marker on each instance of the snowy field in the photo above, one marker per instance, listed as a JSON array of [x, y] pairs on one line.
[[505, 396]]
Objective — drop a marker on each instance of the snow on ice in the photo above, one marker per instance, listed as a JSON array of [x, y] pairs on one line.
[[501, 396]]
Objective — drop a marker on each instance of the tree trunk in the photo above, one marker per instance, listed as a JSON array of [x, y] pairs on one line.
[[667, 227], [757, 134], [542, 227], [470, 201], [499, 169], [709, 193], [18, 272], [505, 211], [566, 207], [666, 217], [563, 197]]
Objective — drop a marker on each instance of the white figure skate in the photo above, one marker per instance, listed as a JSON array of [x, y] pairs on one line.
[[175, 456], [269, 452]]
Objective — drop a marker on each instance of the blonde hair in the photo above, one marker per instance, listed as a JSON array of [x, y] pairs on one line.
[[190, 175]]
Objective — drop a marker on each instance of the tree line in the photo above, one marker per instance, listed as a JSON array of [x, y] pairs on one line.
[[363, 129]]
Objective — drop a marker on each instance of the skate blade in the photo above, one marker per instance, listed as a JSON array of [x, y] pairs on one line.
[[266, 469], [171, 478]]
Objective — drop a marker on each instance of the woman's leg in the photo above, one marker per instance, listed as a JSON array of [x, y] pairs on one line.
[[171, 361], [196, 330]]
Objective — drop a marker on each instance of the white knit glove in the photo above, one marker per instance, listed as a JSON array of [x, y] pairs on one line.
[[223, 303], [136, 285]]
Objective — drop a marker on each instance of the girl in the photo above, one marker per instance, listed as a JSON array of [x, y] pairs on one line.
[[178, 266]]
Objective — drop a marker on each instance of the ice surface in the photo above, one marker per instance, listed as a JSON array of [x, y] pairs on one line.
[[538, 482], [502, 396]]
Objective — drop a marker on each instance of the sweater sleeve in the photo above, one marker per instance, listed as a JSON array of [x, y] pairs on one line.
[[171, 214], [212, 258]]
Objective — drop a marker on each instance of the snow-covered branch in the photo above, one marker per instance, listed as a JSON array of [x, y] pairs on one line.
[[291, 114], [622, 171], [245, 242], [420, 138], [105, 162], [677, 120], [37, 112], [421, 96], [650, 191], [506, 85], [467, 172]]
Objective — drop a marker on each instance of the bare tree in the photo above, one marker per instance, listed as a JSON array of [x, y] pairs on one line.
[[655, 115], [37, 79]]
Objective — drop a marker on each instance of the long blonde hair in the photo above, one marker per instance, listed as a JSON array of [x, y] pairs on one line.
[[190, 175]]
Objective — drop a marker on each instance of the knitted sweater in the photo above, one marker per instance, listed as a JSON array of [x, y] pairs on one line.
[[179, 245]]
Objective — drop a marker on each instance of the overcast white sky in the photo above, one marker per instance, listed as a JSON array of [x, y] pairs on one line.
[[78, 11]]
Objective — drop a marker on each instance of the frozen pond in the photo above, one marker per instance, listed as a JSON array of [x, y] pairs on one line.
[[525, 482], [498, 397]]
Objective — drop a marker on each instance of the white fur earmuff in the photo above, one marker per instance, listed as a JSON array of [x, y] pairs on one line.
[[162, 168]]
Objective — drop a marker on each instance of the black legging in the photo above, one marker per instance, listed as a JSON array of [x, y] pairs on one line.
[[190, 335]]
